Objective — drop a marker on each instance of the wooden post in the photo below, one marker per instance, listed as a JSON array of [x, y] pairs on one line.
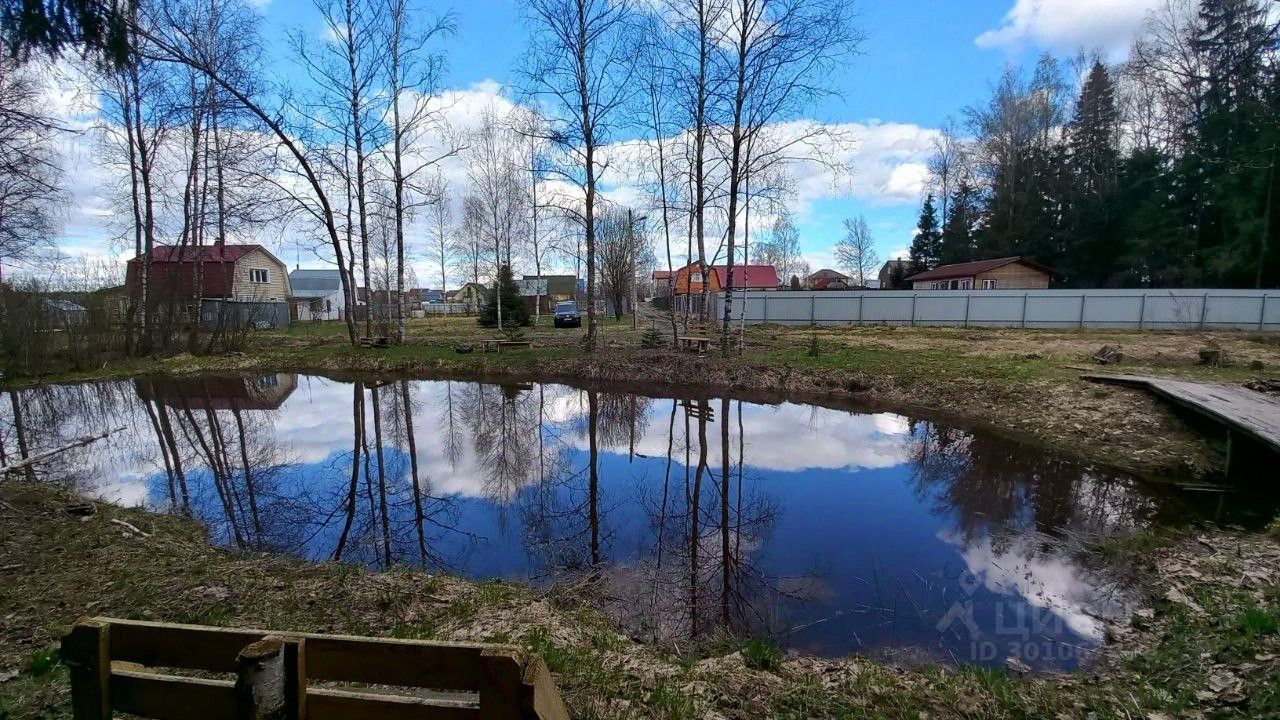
[[813, 309], [862, 300], [261, 680], [1142, 311], [1024, 308], [1204, 309], [967, 298], [295, 678], [1262, 314], [540, 698], [1083, 300], [500, 698], [86, 650], [913, 308]]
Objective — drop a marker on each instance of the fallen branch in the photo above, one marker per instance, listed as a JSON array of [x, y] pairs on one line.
[[85, 440], [130, 526]]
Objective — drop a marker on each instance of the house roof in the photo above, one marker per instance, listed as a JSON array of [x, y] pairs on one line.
[[210, 253], [663, 274], [970, 269], [314, 283], [888, 264], [828, 274], [748, 276]]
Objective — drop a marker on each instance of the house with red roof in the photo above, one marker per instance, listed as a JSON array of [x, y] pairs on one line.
[[1008, 273], [241, 285], [222, 272], [689, 280]]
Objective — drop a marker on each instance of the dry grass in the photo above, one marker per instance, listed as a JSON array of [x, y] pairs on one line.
[[1020, 382]]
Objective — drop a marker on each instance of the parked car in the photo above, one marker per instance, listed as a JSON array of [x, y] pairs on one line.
[[567, 315]]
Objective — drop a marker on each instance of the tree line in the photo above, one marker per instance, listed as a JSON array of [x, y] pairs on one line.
[[698, 98], [1156, 172]]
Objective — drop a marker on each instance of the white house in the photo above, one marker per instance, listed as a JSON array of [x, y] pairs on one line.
[[317, 294]]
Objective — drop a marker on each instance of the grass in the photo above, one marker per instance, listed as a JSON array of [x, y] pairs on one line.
[[762, 654]]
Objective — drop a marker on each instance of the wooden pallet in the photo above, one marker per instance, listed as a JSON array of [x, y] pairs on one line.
[[114, 668]]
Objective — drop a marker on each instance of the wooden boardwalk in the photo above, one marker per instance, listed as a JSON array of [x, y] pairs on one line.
[[1244, 412]]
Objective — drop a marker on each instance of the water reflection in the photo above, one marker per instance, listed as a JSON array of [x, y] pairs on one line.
[[832, 531]]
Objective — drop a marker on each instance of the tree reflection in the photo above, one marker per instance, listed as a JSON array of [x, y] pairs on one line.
[[995, 488]]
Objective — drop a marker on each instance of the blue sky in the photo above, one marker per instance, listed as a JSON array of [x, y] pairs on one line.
[[922, 62]]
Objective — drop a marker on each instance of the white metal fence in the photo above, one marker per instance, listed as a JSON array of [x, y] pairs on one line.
[[447, 309], [1139, 309]]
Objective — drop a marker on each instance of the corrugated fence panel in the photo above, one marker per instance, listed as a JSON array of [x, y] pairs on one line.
[[1145, 309]]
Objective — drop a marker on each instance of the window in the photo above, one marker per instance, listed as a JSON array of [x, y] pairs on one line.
[[966, 284], [988, 284], [938, 286], [259, 275], [695, 277]]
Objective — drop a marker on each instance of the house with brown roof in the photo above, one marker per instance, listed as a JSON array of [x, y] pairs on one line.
[[827, 279], [689, 280], [1009, 273]]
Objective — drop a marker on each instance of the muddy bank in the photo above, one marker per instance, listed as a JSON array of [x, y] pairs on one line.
[[1048, 404], [1204, 642]]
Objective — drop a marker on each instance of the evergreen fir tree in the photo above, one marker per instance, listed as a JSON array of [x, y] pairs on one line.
[[926, 246], [959, 232], [515, 313], [1093, 243]]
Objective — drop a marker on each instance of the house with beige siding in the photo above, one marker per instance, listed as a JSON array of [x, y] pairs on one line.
[[223, 275], [1010, 273]]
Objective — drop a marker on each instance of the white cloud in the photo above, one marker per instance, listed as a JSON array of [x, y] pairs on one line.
[[1070, 24]]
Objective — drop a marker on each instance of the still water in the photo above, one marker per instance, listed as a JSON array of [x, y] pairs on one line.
[[832, 532]]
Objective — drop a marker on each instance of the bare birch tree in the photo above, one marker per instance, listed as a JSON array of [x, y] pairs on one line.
[[580, 62], [856, 252], [778, 56]]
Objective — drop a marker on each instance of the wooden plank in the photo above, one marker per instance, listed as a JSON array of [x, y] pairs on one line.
[[326, 704], [86, 650], [169, 697], [500, 699], [338, 658], [540, 698], [1251, 413], [295, 667]]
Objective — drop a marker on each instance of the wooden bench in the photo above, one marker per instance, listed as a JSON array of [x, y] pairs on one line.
[[498, 344], [113, 666], [700, 343], [381, 342]]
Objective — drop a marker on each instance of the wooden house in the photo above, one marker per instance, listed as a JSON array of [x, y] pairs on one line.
[[1010, 273]]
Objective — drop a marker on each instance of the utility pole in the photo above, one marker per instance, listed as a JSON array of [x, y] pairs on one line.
[[635, 286]]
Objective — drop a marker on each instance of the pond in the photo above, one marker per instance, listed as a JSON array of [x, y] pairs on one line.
[[830, 531]]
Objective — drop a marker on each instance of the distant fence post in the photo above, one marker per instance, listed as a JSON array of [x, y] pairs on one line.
[[1204, 309], [1262, 313], [913, 308], [1083, 300], [862, 300], [967, 298], [1024, 308], [1142, 311], [765, 300], [813, 309]]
